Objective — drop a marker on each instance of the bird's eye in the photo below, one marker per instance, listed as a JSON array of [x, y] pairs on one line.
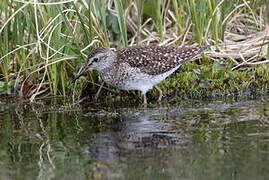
[[95, 60]]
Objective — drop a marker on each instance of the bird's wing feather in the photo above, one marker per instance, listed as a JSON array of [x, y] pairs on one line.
[[155, 60]]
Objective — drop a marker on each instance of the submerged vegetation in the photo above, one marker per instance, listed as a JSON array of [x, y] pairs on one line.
[[43, 43]]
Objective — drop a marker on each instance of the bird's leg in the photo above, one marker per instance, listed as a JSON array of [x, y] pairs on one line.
[[144, 98], [160, 93], [98, 92]]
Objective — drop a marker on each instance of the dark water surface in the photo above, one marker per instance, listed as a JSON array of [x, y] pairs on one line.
[[190, 140]]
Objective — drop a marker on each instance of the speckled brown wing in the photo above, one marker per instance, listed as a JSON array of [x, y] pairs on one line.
[[156, 60]]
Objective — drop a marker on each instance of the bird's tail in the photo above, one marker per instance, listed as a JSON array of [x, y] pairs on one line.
[[189, 53]]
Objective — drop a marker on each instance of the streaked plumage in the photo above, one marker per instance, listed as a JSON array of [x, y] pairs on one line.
[[139, 67]]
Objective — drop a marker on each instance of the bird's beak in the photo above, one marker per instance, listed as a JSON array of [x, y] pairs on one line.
[[82, 72]]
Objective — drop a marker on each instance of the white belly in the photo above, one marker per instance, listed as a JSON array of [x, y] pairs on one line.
[[145, 82]]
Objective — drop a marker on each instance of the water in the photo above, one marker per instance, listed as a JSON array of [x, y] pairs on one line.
[[189, 140]]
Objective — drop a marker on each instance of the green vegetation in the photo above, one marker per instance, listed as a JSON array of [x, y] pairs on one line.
[[44, 44], [213, 81]]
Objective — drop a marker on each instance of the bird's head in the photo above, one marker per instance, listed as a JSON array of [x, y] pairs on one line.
[[99, 59]]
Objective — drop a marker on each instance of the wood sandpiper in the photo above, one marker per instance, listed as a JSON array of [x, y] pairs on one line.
[[138, 67]]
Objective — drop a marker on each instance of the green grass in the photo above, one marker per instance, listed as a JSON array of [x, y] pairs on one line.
[[43, 45]]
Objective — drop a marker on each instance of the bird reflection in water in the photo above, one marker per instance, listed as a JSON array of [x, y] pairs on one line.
[[136, 135]]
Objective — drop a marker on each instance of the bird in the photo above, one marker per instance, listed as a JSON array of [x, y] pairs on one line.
[[138, 67]]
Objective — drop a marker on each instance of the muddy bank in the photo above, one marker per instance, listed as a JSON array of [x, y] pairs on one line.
[[192, 81]]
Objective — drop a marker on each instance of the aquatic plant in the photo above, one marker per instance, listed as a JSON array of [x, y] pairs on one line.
[[43, 44]]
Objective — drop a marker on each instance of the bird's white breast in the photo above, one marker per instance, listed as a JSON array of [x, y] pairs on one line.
[[145, 82]]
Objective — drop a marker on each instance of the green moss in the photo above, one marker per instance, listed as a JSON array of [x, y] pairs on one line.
[[211, 80], [200, 79]]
